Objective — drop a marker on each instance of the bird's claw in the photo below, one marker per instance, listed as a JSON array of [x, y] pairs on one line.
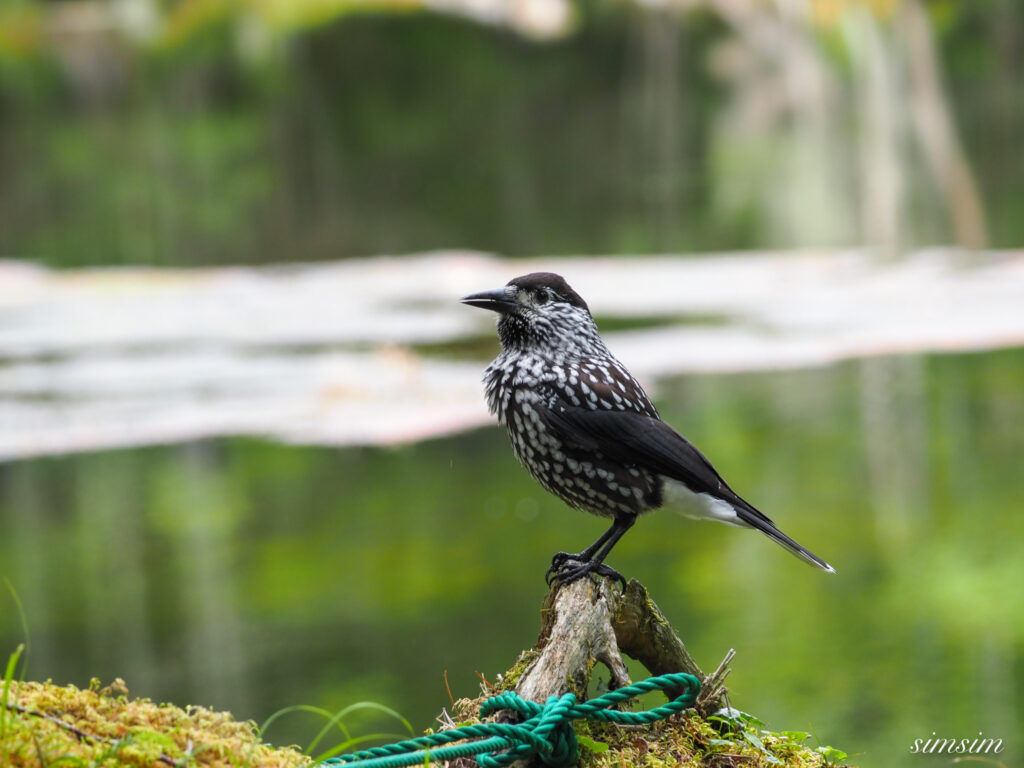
[[557, 561], [562, 572]]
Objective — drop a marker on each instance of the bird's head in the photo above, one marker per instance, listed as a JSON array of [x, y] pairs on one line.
[[540, 312]]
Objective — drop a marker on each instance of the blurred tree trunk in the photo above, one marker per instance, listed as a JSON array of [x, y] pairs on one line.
[[936, 129]]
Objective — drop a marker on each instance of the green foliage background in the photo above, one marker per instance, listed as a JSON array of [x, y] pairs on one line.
[[388, 132], [250, 576]]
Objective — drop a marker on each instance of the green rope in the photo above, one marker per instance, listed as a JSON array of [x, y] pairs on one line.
[[546, 731]]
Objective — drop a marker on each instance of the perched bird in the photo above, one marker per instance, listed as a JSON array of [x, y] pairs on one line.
[[586, 430]]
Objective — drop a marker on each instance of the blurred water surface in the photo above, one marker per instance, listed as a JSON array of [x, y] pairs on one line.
[[250, 575], [380, 351]]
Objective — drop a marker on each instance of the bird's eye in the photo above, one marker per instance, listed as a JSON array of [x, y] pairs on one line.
[[543, 295]]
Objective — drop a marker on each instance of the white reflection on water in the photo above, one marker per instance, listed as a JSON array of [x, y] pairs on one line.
[[325, 353]]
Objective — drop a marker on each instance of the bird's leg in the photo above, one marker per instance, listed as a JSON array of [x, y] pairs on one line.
[[561, 558], [590, 560]]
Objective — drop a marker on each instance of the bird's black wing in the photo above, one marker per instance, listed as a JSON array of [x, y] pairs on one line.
[[639, 440]]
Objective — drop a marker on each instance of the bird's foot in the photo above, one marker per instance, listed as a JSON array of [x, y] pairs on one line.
[[566, 568], [559, 560]]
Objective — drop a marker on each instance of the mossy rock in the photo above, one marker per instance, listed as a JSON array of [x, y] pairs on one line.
[[681, 741], [94, 727], [685, 740], [68, 726]]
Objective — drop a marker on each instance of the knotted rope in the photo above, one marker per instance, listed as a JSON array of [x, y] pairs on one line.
[[546, 731]]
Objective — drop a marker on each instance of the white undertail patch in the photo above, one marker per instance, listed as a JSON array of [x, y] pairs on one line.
[[700, 506]]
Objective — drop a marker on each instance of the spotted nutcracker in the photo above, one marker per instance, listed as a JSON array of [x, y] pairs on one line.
[[586, 430]]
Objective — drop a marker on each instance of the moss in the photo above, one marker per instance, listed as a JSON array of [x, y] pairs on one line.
[[511, 679], [138, 733], [111, 729], [684, 741], [688, 740], [655, 611]]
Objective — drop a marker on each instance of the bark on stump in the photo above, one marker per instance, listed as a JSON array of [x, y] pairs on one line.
[[594, 621]]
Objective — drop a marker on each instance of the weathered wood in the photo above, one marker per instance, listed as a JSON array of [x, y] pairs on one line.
[[576, 632], [590, 622]]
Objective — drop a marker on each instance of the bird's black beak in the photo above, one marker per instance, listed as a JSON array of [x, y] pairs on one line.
[[496, 301]]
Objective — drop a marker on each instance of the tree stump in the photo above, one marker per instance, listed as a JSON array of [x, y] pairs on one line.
[[594, 621]]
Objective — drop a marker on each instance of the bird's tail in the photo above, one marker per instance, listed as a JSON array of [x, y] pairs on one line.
[[755, 519]]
